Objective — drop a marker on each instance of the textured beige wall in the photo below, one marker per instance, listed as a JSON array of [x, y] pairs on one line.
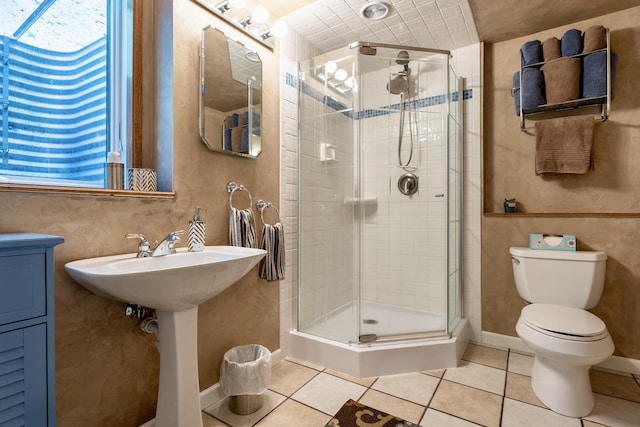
[[106, 368], [508, 164]]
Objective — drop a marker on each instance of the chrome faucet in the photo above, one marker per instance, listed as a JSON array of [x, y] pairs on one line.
[[144, 247], [168, 244], [165, 247]]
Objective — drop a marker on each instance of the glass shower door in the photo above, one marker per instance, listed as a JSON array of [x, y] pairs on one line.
[[402, 137], [380, 200], [327, 230]]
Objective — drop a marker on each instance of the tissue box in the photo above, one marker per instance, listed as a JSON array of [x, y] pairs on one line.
[[565, 242]]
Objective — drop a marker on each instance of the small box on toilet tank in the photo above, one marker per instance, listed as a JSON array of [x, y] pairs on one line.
[[553, 242]]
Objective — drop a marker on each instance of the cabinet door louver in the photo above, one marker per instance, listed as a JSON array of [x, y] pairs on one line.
[[23, 377]]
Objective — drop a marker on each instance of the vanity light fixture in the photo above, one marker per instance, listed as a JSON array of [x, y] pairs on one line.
[[230, 4], [341, 74], [278, 29], [349, 82], [260, 15], [253, 21], [336, 78], [375, 10]]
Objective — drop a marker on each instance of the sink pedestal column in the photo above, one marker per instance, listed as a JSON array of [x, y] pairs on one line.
[[179, 394]]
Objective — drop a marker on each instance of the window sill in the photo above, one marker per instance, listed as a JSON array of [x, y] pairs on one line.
[[87, 191]]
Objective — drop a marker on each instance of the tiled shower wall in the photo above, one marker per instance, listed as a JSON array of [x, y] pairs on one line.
[[467, 63]]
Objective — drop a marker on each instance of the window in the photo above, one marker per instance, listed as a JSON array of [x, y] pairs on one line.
[[66, 90]]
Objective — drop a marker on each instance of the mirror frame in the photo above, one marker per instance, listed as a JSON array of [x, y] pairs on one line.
[[232, 119]]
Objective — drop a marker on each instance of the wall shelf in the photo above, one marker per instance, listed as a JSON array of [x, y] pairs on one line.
[[562, 214]]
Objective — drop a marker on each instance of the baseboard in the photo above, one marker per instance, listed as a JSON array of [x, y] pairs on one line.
[[212, 394], [492, 339], [614, 363], [277, 357]]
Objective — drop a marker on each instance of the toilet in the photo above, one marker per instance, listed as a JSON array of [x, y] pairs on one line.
[[567, 339]]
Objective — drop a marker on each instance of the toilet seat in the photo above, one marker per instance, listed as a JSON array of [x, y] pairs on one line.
[[564, 322]]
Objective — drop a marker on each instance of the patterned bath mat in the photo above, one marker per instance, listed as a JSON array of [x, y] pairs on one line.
[[354, 414]]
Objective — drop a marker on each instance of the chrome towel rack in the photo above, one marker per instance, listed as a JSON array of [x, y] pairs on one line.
[[232, 188], [261, 205]]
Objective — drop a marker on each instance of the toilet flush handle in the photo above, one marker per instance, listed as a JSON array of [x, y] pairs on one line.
[[515, 260]]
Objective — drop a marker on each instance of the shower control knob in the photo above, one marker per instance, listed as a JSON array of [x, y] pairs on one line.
[[408, 184]]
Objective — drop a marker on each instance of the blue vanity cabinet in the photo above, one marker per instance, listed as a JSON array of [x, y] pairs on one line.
[[27, 359]]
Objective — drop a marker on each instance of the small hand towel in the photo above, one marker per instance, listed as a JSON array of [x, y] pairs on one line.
[[242, 228], [551, 49], [561, 80], [594, 39], [531, 52], [571, 43], [564, 145], [273, 264]]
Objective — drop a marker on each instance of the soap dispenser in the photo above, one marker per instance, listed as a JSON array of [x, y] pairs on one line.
[[197, 229]]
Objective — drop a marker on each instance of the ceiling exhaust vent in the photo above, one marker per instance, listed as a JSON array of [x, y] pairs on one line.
[[375, 10]]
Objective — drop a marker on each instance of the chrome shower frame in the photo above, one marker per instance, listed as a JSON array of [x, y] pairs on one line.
[[358, 200]]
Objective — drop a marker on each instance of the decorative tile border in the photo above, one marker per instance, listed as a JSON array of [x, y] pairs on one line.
[[332, 103]]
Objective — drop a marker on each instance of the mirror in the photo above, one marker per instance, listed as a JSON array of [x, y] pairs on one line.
[[230, 95]]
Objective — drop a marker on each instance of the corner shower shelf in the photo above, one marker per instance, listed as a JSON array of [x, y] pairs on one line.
[[373, 200], [328, 153]]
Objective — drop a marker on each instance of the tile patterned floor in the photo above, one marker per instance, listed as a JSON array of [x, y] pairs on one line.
[[490, 387]]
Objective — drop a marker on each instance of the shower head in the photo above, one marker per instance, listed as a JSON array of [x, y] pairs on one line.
[[403, 58], [398, 85]]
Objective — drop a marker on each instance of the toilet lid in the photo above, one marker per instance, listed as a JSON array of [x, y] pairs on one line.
[[564, 322]]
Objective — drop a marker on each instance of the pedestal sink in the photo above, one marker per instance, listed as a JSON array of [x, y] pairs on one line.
[[174, 285]]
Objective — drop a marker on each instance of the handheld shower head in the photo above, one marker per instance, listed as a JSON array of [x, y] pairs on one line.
[[398, 85]]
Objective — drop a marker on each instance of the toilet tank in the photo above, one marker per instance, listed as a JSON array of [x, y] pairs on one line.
[[571, 278]]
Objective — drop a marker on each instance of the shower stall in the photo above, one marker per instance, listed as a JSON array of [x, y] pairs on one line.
[[380, 210]]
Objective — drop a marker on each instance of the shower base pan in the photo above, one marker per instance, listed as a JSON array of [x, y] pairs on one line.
[[382, 358]]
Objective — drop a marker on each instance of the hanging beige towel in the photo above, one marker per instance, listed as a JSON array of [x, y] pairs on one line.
[[594, 39], [551, 49], [564, 145], [561, 79]]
